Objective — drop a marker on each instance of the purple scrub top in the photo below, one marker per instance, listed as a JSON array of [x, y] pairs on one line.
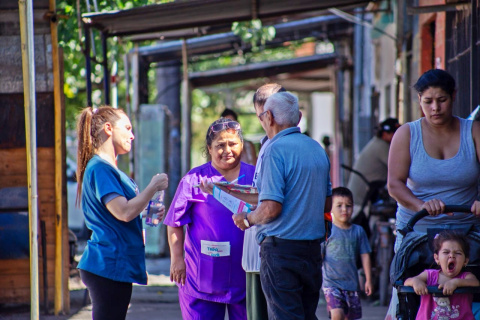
[[218, 279]]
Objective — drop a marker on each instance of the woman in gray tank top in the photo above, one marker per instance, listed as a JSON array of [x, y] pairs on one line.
[[434, 161]]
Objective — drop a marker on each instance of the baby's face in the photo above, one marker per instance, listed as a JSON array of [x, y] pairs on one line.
[[342, 209], [451, 258]]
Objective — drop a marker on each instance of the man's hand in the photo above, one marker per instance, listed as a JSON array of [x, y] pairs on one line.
[[238, 220], [206, 186]]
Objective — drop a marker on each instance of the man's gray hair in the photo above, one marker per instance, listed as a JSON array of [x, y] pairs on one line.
[[284, 107]]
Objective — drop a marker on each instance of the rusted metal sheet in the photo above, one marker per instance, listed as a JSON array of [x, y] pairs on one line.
[[198, 13], [11, 79], [12, 120]]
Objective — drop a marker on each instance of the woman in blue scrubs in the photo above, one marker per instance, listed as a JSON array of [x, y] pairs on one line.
[[114, 257]]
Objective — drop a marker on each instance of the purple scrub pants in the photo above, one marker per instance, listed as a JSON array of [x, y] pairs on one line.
[[199, 309]]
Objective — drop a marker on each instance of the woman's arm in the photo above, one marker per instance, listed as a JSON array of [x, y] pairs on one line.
[[127, 210], [178, 270], [476, 140], [419, 283], [367, 268], [398, 169], [399, 162]]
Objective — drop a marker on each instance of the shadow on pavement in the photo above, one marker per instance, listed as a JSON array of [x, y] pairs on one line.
[[158, 300]]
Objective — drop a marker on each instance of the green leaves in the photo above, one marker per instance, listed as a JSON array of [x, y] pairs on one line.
[[253, 33]]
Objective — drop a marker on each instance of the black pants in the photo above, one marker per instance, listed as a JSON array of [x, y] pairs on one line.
[[291, 275], [110, 299]]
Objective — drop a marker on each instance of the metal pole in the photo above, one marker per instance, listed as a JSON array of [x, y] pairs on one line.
[[128, 106], [28, 66], [186, 113], [114, 88], [134, 105], [88, 67], [474, 79], [106, 73]]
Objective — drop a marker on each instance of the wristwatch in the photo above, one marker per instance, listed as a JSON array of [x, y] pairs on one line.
[[246, 222]]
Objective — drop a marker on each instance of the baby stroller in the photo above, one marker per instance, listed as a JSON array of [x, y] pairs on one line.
[[416, 254]]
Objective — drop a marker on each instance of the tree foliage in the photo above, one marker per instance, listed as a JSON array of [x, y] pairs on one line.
[[72, 41], [253, 32], [207, 103]]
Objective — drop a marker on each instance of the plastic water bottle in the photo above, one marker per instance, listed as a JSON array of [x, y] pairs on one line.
[[153, 208]]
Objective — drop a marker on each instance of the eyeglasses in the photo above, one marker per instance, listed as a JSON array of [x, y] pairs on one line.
[[261, 114], [225, 125]]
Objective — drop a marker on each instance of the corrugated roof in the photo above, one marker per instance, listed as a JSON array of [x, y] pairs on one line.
[[262, 69], [198, 13], [319, 27]]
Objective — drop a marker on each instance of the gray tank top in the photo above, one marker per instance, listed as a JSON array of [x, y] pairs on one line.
[[454, 180]]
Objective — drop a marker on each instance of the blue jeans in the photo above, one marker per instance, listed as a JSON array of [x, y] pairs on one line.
[[291, 276]]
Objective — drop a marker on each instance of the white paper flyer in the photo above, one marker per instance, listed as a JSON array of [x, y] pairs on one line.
[[230, 202]]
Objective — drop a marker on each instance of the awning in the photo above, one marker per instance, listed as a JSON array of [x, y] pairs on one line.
[[262, 69], [199, 13], [330, 27]]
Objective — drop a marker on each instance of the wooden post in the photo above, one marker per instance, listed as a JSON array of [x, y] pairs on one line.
[[28, 66], [186, 113], [61, 295]]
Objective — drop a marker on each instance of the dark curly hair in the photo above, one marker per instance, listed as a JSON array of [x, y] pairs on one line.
[[437, 78], [342, 192], [451, 235], [212, 135]]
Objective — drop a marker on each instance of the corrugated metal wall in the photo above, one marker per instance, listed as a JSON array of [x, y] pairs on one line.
[[458, 57]]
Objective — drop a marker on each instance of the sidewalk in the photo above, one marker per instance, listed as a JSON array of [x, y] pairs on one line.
[[158, 300]]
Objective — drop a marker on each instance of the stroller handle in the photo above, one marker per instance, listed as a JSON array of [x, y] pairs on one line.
[[434, 289], [423, 213]]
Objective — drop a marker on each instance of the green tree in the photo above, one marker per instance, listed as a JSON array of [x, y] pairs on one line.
[[72, 41], [207, 104]]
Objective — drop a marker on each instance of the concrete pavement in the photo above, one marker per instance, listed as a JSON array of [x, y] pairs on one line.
[[158, 300]]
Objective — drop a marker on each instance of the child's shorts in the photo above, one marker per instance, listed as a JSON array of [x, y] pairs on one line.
[[349, 301]]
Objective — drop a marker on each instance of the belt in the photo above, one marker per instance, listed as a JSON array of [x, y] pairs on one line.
[[275, 240]]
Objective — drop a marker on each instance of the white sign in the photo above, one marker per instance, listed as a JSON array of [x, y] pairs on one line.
[[215, 249]]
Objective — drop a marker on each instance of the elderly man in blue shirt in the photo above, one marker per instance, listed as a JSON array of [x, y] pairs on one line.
[[294, 192]]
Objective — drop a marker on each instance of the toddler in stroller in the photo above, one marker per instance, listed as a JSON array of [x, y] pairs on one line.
[[456, 251], [451, 251]]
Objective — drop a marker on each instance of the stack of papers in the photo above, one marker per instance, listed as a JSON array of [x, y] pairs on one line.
[[237, 187], [230, 202]]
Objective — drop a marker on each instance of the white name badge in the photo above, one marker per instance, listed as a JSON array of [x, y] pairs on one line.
[[215, 249]]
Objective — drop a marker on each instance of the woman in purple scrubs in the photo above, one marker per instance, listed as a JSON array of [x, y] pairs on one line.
[[210, 277]]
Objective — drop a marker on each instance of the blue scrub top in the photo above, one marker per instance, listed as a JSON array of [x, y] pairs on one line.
[[115, 250]]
